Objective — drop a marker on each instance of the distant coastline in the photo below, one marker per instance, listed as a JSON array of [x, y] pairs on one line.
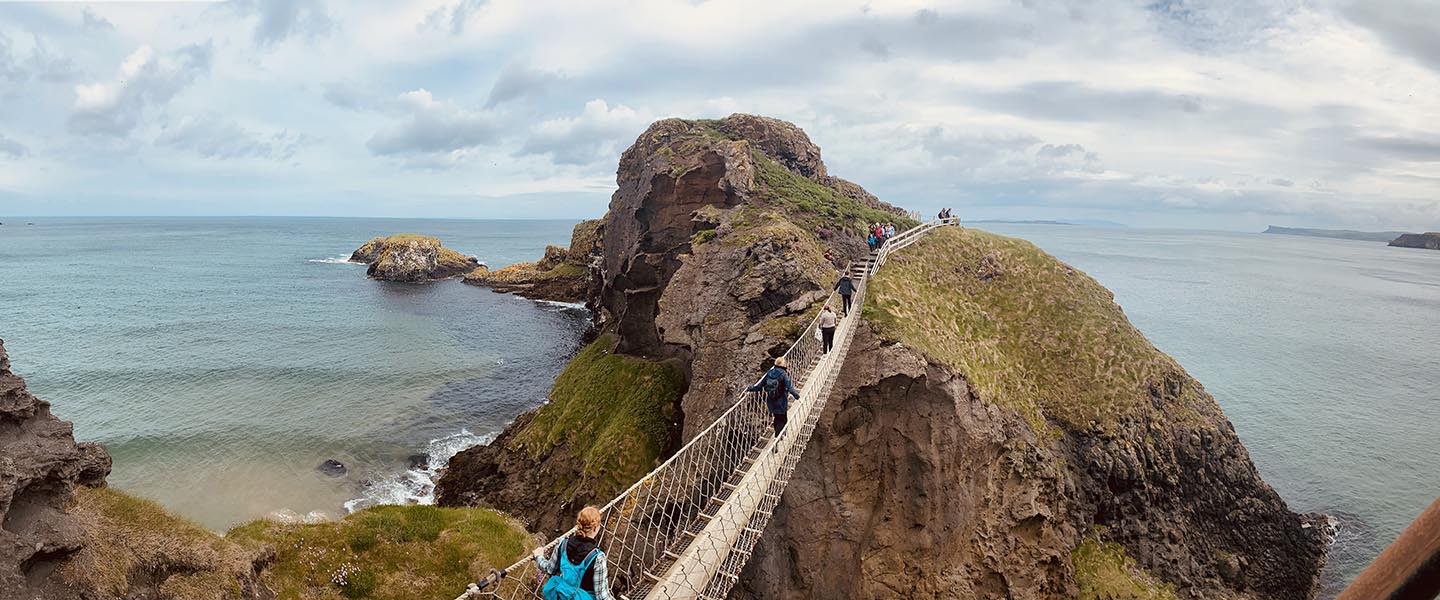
[[1342, 234]]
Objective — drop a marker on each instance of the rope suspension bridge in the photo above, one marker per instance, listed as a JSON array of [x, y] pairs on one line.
[[686, 529]]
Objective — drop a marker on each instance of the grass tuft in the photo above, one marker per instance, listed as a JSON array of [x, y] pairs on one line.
[[814, 205]]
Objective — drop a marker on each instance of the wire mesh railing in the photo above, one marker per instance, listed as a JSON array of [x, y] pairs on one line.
[[686, 529]]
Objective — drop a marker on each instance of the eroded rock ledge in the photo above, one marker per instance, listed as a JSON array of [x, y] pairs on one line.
[[562, 275], [40, 466]]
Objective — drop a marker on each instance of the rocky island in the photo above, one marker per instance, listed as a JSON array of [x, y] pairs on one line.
[[1429, 240], [412, 258], [1000, 429]]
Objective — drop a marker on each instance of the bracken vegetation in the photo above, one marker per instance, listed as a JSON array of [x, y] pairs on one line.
[[1028, 331]]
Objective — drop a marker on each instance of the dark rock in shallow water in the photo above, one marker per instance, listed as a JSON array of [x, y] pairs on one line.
[[419, 461], [332, 467]]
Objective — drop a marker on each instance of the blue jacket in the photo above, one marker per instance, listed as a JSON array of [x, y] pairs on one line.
[[781, 405]]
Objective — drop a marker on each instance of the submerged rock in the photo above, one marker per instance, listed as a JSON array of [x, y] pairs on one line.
[[40, 466], [332, 467], [412, 258]]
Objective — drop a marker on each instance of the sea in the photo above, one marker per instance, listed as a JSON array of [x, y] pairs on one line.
[[222, 360]]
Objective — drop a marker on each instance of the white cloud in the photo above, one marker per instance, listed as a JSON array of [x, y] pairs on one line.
[[278, 20], [596, 135], [145, 80], [11, 148], [435, 127], [214, 136]]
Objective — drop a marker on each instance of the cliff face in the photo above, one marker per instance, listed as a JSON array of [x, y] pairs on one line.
[[713, 255], [412, 258], [40, 465], [1002, 431], [1430, 240]]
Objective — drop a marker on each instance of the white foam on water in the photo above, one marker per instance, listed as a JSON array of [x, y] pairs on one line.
[[417, 486], [564, 305], [338, 260], [286, 515]]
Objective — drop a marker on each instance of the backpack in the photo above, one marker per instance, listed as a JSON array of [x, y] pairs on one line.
[[772, 387], [566, 584]]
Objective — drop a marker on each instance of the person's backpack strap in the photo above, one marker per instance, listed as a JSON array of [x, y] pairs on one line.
[[560, 553], [585, 564]]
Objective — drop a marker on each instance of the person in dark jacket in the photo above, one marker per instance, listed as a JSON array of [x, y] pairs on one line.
[[578, 563], [778, 388], [846, 287]]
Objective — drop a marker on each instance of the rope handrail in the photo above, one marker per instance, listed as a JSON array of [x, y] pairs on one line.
[[686, 528]]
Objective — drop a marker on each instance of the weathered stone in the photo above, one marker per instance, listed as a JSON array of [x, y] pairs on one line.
[[412, 258]]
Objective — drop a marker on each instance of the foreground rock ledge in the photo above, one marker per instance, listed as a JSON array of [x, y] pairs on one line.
[[412, 258]]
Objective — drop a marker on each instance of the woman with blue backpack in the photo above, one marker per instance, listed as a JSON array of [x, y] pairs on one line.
[[577, 571]]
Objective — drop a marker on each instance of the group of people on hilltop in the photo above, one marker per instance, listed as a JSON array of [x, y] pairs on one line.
[[879, 232], [945, 213]]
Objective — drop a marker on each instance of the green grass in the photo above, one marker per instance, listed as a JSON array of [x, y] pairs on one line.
[[1104, 572], [386, 552], [1028, 331], [812, 204], [612, 412]]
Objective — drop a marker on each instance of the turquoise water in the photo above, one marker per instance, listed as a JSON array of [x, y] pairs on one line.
[[222, 360], [1320, 351]]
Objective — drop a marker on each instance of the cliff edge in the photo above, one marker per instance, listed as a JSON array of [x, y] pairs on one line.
[[40, 466]]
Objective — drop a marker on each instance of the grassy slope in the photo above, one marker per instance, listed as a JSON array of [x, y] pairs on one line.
[[612, 412], [1028, 331], [387, 552]]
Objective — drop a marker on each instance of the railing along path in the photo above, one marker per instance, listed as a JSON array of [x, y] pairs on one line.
[[687, 528]]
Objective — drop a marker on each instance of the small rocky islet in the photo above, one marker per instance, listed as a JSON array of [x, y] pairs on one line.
[[412, 258], [1036, 446]]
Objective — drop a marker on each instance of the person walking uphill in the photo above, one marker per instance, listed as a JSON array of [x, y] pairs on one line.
[[827, 329], [578, 570], [846, 287], [777, 390]]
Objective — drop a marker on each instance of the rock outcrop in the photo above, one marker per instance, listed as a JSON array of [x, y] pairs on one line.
[[711, 260], [562, 275], [1066, 456], [412, 258], [40, 466], [1429, 240], [949, 464]]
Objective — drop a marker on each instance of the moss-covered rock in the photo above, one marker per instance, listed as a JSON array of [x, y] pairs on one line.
[[562, 274]]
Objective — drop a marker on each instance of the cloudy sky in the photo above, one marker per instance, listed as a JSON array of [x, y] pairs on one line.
[[1224, 113]]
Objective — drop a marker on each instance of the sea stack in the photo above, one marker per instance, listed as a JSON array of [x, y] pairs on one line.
[[412, 258], [1429, 240]]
